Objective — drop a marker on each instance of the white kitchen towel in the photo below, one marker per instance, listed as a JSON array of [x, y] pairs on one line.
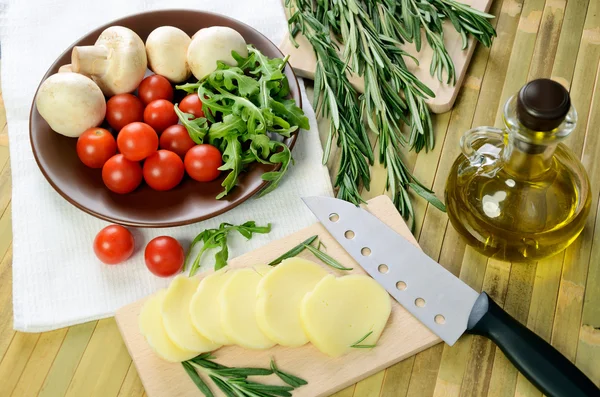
[[57, 281]]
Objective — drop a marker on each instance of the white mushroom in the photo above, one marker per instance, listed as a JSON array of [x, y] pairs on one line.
[[213, 44], [117, 62], [166, 48], [70, 103]]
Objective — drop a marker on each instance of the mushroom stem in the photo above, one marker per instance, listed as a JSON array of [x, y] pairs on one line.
[[90, 60], [65, 69]]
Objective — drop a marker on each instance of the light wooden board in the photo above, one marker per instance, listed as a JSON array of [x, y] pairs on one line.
[[402, 337], [304, 61]]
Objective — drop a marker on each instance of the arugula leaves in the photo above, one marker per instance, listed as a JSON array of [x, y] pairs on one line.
[[246, 108], [217, 238]]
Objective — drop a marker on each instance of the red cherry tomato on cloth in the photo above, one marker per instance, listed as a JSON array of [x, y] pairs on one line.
[[95, 146], [164, 256], [160, 114], [121, 175], [155, 87], [202, 163], [163, 170], [192, 104], [177, 140], [137, 141], [123, 109], [113, 244]]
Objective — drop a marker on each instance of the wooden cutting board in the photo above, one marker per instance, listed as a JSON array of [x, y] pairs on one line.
[[303, 61], [403, 336]]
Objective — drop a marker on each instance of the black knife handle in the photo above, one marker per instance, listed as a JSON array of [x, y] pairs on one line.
[[542, 364]]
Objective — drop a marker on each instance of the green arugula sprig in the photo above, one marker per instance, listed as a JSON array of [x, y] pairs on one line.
[[246, 107], [234, 382], [217, 238]]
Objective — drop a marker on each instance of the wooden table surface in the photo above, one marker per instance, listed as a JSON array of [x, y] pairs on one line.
[[558, 298]]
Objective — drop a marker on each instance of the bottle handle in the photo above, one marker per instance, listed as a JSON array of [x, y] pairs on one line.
[[468, 139]]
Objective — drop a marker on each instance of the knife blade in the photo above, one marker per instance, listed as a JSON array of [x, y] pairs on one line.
[[443, 302]]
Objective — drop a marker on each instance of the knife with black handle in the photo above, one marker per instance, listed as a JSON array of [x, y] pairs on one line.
[[443, 302]]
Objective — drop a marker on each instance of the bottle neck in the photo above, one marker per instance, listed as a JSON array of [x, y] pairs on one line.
[[525, 160]]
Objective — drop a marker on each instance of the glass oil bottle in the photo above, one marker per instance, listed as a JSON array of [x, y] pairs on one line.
[[517, 193]]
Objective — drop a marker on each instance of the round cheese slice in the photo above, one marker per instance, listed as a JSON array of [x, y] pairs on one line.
[[338, 312], [279, 295], [205, 310], [152, 328], [238, 309], [177, 319]]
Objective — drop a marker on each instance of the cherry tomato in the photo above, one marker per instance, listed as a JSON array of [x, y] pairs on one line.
[[160, 114], [163, 170], [113, 244], [136, 141], [202, 162], [155, 87], [176, 139], [121, 175], [123, 109], [95, 146], [192, 104], [164, 256]]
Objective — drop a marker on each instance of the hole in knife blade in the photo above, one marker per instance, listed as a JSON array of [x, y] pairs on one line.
[[349, 234], [334, 217], [383, 269], [420, 302], [439, 319], [365, 251], [401, 285]]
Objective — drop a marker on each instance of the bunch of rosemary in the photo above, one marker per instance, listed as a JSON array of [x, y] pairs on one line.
[[373, 32]]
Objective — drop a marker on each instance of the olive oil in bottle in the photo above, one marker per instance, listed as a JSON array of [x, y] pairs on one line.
[[517, 193]]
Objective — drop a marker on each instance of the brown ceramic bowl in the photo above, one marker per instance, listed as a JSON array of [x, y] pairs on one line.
[[189, 202]]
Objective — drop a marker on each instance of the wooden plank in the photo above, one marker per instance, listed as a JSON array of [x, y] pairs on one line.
[[397, 377], [39, 363], [565, 335], [481, 358], [347, 392], [371, 386], [14, 361], [568, 44], [5, 186], [503, 377], [6, 314], [547, 39], [521, 55], [68, 358], [132, 385], [588, 350], [424, 372], [104, 364], [5, 229]]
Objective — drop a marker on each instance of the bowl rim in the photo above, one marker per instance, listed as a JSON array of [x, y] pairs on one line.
[[290, 142]]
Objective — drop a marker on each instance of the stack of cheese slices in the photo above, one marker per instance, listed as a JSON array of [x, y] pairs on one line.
[[290, 304]]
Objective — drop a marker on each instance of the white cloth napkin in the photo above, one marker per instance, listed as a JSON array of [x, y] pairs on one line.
[[57, 280]]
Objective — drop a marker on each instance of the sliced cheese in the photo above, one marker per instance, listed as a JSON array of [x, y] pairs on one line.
[[238, 309], [177, 319], [340, 311], [279, 295], [205, 310], [152, 328]]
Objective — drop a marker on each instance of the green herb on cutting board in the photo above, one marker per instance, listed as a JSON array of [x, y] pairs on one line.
[[357, 344], [373, 32], [217, 238], [234, 382], [246, 107], [306, 244]]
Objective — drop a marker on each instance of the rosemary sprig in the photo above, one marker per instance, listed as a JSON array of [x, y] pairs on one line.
[[326, 259], [294, 251], [357, 344], [234, 382]]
